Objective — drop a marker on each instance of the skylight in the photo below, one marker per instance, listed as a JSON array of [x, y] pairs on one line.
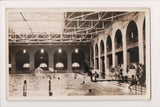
[[36, 22]]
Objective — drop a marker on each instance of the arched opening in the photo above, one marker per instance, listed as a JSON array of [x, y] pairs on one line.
[[41, 59], [132, 43], [60, 60], [22, 58], [109, 52], [118, 48], [96, 48], [132, 33], [109, 44], [102, 63], [97, 59], [118, 39], [78, 58], [102, 47]]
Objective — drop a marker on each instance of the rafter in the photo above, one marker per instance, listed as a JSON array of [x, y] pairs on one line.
[[70, 15], [80, 16], [75, 28]]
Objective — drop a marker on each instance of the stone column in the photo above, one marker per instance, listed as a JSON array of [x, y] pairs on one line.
[[124, 51], [51, 61], [113, 53], [69, 62], [140, 44], [31, 61], [105, 55]]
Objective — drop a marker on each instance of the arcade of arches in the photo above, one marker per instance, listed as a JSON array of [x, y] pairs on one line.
[[60, 58], [124, 45]]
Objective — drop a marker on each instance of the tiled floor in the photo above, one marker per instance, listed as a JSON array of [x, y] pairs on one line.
[[66, 85]]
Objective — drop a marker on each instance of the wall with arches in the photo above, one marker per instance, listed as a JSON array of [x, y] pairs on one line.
[[50, 51], [121, 54]]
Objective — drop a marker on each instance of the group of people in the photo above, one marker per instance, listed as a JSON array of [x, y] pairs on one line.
[[118, 73], [94, 75], [140, 75], [135, 74]]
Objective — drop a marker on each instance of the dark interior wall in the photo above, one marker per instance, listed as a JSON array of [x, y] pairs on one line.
[[134, 55], [41, 58], [21, 59], [132, 33], [50, 49], [60, 57], [79, 58]]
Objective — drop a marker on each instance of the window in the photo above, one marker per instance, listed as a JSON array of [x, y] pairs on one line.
[[43, 65], [59, 65], [26, 65], [75, 65]]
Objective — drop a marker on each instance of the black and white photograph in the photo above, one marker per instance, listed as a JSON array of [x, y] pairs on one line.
[[77, 53]]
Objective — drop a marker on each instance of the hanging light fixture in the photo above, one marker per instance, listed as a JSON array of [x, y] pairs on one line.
[[42, 50], [60, 50], [24, 51], [76, 50]]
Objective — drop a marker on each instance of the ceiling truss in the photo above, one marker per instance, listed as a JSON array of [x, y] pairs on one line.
[[77, 28]]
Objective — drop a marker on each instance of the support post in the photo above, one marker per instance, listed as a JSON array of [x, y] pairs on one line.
[[51, 68], [105, 55], [124, 53], [141, 45], [69, 62], [31, 62], [113, 53]]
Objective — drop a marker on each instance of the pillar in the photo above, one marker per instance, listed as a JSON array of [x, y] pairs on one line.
[[105, 55], [113, 53], [124, 51], [140, 44], [69, 62], [51, 61], [31, 61]]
